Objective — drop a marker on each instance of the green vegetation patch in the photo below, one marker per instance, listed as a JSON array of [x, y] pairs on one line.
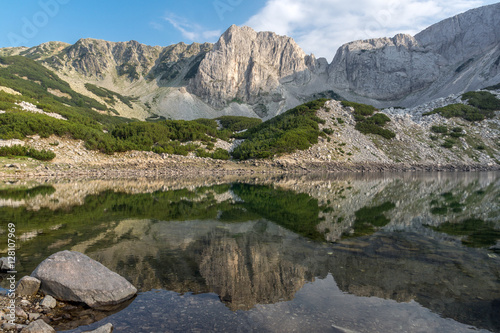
[[218, 154], [370, 219], [21, 151], [361, 110], [237, 123], [32, 80], [482, 105], [108, 95], [296, 129], [496, 86], [474, 232], [483, 100], [21, 193], [445, 204], [297, 212], [369, 122], [130, 70], [466, 112]]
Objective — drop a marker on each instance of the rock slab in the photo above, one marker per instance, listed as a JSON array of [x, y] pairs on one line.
[[28, 286], [48, 302], [73, 276], [38, 326]]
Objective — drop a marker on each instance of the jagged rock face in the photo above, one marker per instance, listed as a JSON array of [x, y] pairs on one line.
[[456, 55], [94, 58], [383, 69], [463, 36], [247, 66], [179, 62], [131, 60]]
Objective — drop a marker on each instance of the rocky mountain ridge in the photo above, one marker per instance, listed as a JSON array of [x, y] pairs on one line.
[[261, 74]]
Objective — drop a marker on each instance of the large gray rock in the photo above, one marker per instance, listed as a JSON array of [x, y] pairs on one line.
[[38, 326], [28, 286], [72, 276]]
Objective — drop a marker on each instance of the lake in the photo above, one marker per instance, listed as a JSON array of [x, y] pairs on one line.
[[407, 252]]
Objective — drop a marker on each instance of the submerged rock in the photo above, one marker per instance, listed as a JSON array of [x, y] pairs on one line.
[[72, 276], [108, 328]]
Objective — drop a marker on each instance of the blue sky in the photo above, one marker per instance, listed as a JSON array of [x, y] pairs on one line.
[[318, 26]]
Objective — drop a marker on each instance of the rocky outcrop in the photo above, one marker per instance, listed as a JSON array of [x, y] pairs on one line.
[[383, 69], [72, 276], [247, 66], [456, 55]]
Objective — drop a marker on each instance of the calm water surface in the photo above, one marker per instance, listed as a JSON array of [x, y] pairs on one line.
[[344, 253]]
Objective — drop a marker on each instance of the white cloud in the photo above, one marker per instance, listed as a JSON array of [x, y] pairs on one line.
[[156, 26], [322, 26], [191, 31]]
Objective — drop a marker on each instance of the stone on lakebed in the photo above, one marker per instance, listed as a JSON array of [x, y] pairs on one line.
[[74, 277]]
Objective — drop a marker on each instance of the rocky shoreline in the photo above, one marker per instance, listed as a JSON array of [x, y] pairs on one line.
[[179, 165]]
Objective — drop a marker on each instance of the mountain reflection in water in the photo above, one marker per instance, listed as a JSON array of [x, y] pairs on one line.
[[261, 243]]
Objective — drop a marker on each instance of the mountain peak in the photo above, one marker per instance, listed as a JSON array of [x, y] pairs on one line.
[[244, 64]]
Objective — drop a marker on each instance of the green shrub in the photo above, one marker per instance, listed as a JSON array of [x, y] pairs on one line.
[[370, 128], [456, 134], [296, 129], [463, 111], [482, 100], [448, 143], [20, 151], [495, 87], [218, 154], [328, 131], [237, 123], [369, 123], [379, 119], [360, 109], [42, 155], [439, 129], [210, 145]]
